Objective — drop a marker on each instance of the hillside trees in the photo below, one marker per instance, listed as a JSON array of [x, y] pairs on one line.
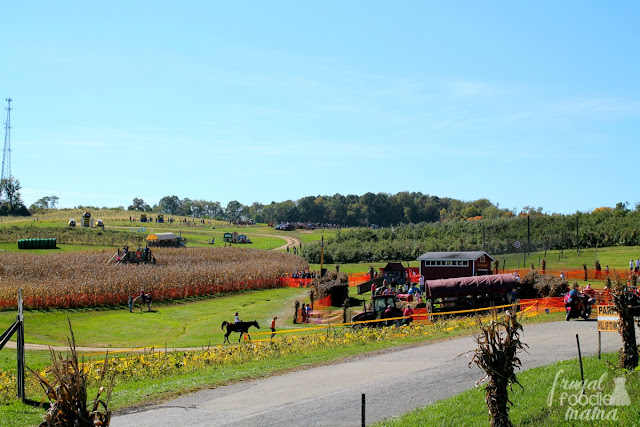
[[407, 242], [44, 203], [11, 201], [139, 205]]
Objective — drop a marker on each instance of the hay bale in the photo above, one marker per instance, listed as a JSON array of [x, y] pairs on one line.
[[334, 284], [543, 285]]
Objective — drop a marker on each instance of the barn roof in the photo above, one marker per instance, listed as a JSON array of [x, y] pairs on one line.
[[161, 236], [394, 266], [461, 256]]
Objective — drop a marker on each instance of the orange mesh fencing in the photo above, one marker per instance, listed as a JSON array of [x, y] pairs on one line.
[[322, 303], [592, 274], [357, 279], [294, 283], [551, 304]]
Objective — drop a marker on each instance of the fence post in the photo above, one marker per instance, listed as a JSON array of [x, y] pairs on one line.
[[20, 342]]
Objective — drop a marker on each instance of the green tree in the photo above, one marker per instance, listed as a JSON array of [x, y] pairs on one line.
[[11, 199], [169, 205], [139, 205], [233, 210]]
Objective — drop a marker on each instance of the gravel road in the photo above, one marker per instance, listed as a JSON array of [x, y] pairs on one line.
[[394, 382]]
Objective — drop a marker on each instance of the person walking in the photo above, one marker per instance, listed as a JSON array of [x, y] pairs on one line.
[[273, 326]]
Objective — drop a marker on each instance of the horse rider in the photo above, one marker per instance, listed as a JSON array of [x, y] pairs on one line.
[[236, 319]]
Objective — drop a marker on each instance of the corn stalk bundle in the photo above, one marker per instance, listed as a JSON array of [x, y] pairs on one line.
[[624, 299], [67, 392], [498, 344]]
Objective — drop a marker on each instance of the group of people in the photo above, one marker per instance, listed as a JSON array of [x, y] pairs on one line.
[[389, 289], [295, 249], [303, 274], [143, 297], [305, 312]]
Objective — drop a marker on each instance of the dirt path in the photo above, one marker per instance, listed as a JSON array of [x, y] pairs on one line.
[[99, 350], [291, 241], [394, 382]]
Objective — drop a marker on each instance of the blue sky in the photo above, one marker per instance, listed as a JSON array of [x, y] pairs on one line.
[[523, 103]]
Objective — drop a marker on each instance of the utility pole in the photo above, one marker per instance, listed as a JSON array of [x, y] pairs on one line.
[[6, 156], [321, 255], [528, 233], [577, 235]]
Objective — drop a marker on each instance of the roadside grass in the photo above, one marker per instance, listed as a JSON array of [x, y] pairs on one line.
[[130, 392], [530, 403]]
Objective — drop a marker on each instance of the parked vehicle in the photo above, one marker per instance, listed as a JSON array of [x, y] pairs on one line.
[[379, 305]]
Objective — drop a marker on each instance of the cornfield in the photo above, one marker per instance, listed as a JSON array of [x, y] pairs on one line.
[[81, 279]]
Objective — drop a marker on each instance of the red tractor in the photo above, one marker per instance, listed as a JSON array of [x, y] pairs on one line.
[[379, 305]]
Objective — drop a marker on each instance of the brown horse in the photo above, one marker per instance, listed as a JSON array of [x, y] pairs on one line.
[[241, 327]]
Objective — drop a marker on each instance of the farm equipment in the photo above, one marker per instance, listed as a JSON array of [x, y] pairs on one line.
[[166, 240], [139, 256], [86, 219], [379, 305]]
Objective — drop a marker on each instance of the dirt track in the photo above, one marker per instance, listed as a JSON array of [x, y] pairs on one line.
[[394, 382], [291, 241]]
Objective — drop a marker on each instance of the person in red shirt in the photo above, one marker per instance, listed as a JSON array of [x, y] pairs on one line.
[[273, 327], [408, 314]]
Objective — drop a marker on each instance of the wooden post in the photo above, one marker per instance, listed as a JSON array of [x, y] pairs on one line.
[[321, 254], [20, 346], [580, 358], [599, 343]]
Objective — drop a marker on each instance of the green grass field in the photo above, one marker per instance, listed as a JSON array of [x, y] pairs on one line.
[[196, 322], [187, 324]]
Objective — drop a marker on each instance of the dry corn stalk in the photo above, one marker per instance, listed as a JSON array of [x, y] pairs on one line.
[[67, 392], [624, 300], [498, 344]]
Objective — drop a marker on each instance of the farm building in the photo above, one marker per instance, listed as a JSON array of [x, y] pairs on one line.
[[395, 270], [165, 239], [446, 265]]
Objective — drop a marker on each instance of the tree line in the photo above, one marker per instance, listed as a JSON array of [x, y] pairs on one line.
[[538, 232], [370, 209]]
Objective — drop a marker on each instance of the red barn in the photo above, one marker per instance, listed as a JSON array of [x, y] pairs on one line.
[[446, 265]]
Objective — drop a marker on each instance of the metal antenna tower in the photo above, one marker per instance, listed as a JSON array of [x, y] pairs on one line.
[[6, 156]]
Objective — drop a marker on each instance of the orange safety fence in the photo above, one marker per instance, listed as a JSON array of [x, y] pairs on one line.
[[294, 283], [550, 304], [357, 279], [592, 274], [323, 303]]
